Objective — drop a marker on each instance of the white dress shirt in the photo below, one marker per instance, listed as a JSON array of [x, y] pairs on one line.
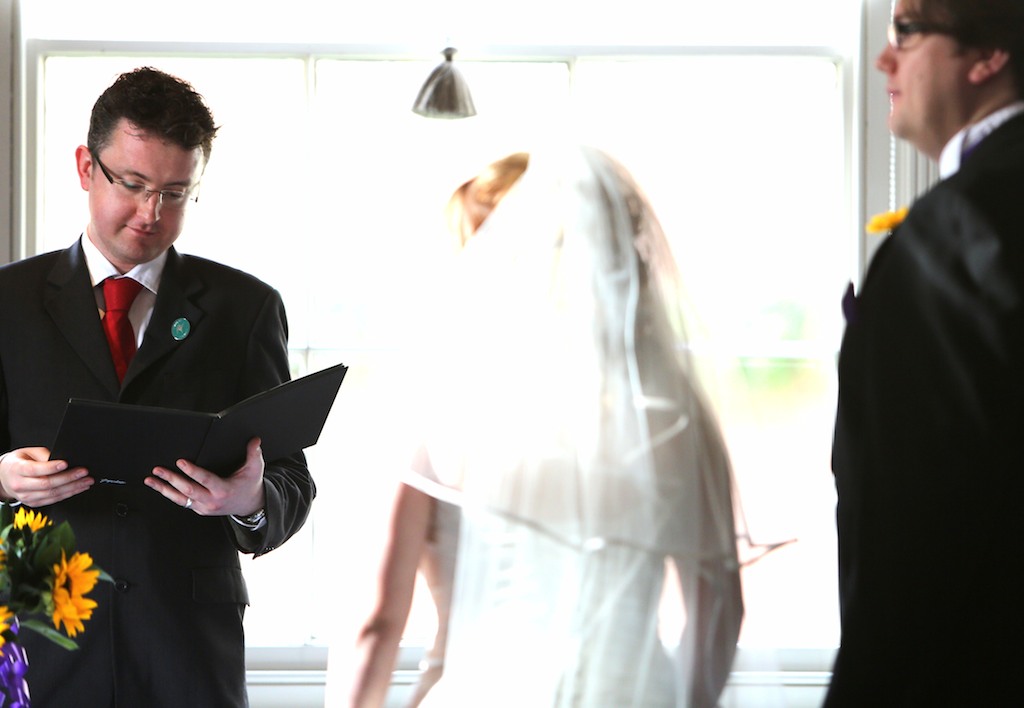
[[969, 137], [146, 273]]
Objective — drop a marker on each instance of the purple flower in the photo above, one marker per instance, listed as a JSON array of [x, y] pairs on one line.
[[13, 666]]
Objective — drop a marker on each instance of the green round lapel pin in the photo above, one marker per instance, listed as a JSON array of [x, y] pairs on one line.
[[180, 329]]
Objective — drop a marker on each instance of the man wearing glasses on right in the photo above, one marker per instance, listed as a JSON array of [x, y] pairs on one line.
[[929, 440]]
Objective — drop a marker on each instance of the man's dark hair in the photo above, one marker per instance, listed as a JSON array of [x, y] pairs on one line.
[[156, 103], [981, 24]]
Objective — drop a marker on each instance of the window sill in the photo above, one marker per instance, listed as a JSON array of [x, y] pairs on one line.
[[296, 677]]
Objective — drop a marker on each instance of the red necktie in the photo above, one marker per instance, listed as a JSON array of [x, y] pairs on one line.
[[119, 294]]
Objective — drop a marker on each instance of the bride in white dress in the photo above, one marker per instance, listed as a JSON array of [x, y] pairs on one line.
[[568, 425]]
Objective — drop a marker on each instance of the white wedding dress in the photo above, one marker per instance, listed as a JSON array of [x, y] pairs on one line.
[[567, 423]]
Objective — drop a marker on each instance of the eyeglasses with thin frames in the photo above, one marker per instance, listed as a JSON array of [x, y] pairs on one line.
[[902, 30], [167, 198]]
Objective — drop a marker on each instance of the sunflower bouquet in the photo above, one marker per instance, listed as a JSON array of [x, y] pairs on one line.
[[44, 584]]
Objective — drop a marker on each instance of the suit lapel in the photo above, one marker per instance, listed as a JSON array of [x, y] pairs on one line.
[[72, 305], [1001, 147], [179, 290]]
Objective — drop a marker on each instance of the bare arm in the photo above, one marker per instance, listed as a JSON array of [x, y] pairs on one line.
[[714, 604], [711, 585], [377, 644]]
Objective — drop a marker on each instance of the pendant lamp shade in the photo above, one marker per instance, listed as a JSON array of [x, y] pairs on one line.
[[445, 93]]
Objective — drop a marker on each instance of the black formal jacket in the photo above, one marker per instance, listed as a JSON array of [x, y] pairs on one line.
[[168, 631], [928, 453]]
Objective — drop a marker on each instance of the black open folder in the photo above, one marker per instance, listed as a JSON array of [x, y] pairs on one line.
[[118, 441]]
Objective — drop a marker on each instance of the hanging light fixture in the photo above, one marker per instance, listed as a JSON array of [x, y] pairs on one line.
[[445, 93]]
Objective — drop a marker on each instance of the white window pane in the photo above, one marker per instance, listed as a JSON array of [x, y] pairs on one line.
[[743, 159], [252, 196], [382, 176], [336, 197]]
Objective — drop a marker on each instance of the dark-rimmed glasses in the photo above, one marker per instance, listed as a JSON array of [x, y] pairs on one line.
[[167, 198], [902, 30]]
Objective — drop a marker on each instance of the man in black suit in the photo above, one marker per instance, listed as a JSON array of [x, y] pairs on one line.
[[168, 630], [929, 441]]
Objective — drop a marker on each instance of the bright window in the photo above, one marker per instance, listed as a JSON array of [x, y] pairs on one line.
[[332, 190], [749, 185]]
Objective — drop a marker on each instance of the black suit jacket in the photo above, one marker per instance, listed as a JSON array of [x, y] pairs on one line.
[[168, 631], [928, 453]]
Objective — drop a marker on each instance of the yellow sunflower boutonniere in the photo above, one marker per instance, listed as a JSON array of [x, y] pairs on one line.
[[886, 221]]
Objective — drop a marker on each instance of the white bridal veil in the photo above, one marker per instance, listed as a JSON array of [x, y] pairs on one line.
[[597, 562]]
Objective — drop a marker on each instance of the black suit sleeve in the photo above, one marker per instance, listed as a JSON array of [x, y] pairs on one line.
[[287, 482]]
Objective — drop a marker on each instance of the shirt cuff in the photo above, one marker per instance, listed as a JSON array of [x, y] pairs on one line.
[[253, 522]]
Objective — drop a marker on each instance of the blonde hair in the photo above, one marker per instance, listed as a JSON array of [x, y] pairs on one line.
[[475, 199]]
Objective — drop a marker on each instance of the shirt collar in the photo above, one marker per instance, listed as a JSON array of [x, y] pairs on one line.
[[969, 136], [100, 268]]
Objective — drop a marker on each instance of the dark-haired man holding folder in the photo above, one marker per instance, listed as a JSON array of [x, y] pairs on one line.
[[168, 630]]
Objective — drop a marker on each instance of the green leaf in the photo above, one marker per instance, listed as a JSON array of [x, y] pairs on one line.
[[50, 633]]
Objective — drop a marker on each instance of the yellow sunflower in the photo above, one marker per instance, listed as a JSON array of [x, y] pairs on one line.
[[71, 583], [27, 517], [886, 221], [5, 622]]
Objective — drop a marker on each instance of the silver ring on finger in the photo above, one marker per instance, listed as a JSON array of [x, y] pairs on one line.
[[188, 503]]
